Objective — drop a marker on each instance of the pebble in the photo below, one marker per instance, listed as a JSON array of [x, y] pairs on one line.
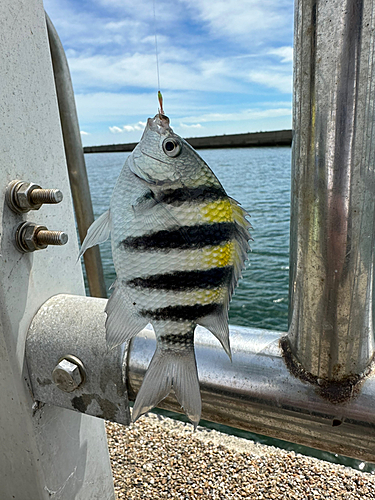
[[158, 458]]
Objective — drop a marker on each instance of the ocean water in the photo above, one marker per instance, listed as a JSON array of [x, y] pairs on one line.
[[259, 179]]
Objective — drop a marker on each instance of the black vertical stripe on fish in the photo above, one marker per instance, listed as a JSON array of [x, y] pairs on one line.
[[185, 280], [197, 194], [183, 238], [180, 312], [178, 339]]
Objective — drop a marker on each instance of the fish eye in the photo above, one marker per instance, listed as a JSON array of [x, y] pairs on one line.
[[172, 146]]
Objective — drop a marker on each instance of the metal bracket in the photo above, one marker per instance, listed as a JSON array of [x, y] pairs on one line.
[[73, 328]]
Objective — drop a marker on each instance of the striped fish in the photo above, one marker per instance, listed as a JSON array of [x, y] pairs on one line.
[[179, 244]]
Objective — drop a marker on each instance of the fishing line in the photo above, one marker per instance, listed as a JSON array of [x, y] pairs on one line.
[[160, 97]]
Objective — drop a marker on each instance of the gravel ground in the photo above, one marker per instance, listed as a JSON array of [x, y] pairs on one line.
[[159, 458]]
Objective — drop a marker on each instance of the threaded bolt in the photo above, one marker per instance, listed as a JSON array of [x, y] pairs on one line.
[[46, 237], [40, 196], [31, 237], [24, 196]]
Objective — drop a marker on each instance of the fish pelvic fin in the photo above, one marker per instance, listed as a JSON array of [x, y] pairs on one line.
[[171, 369], [97, 233], [122, 323]]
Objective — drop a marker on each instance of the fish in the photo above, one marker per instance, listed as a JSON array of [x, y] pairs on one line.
[[179, 245]]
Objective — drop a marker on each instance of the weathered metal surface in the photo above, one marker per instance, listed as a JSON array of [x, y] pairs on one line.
[[256, 392], [79, 184], [72, 325], [333, 189]]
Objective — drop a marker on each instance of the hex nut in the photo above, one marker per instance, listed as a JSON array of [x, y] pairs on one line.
[[67, 376], [22, 195], [26, 237]]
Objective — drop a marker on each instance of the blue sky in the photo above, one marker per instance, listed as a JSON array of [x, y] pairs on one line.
[[225, 65]]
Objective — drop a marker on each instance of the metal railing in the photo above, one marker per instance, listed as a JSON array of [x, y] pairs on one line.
[[314, 385]]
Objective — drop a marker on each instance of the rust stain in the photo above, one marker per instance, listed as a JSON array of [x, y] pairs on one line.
[[335, 391]]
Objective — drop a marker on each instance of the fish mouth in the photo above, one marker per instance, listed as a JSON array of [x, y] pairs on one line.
[[160, 124]]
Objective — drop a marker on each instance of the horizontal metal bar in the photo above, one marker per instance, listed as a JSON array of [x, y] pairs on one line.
[[256, 392]]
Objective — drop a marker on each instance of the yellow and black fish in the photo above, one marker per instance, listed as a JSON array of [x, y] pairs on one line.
[[179, 244]]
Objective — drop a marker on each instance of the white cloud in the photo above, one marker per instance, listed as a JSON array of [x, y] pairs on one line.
[[177, 72], [273, 79], [128, 128], [115, 130], [247, 19], [285, 53], [84, 133], [193, 125]]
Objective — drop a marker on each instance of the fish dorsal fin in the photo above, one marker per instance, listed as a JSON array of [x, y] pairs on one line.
[[242, 237], [123, 323], [97, 233]]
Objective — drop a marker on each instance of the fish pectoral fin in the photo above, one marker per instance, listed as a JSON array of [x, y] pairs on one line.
[[123, 322], [217, 323], [167, 369], [154, 213], [97, 233]]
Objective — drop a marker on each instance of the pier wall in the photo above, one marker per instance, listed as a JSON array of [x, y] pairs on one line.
[[253, 139]]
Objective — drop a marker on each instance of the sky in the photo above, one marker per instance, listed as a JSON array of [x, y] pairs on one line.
[[225, 66]]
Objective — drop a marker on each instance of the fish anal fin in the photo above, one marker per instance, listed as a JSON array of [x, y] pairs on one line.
[[217, 323], [97, 233], [123, 322]]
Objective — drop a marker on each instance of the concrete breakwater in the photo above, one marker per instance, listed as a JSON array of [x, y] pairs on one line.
[[253, 139]]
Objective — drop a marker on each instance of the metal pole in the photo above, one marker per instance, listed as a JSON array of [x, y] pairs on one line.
[[79, 184], [333, 190]]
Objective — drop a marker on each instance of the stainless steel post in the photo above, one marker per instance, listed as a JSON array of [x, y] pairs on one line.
[[75, 160], [333, 190]]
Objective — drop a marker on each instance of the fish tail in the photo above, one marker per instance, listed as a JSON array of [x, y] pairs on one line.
[[168, 369]]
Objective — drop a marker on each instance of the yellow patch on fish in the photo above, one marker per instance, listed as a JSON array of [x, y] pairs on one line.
[[217, 211], [211, 296], [218, 256]]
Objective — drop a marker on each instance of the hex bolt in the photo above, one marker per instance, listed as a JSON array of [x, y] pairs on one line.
[[23, 196], [69, 373], [30, 237]]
